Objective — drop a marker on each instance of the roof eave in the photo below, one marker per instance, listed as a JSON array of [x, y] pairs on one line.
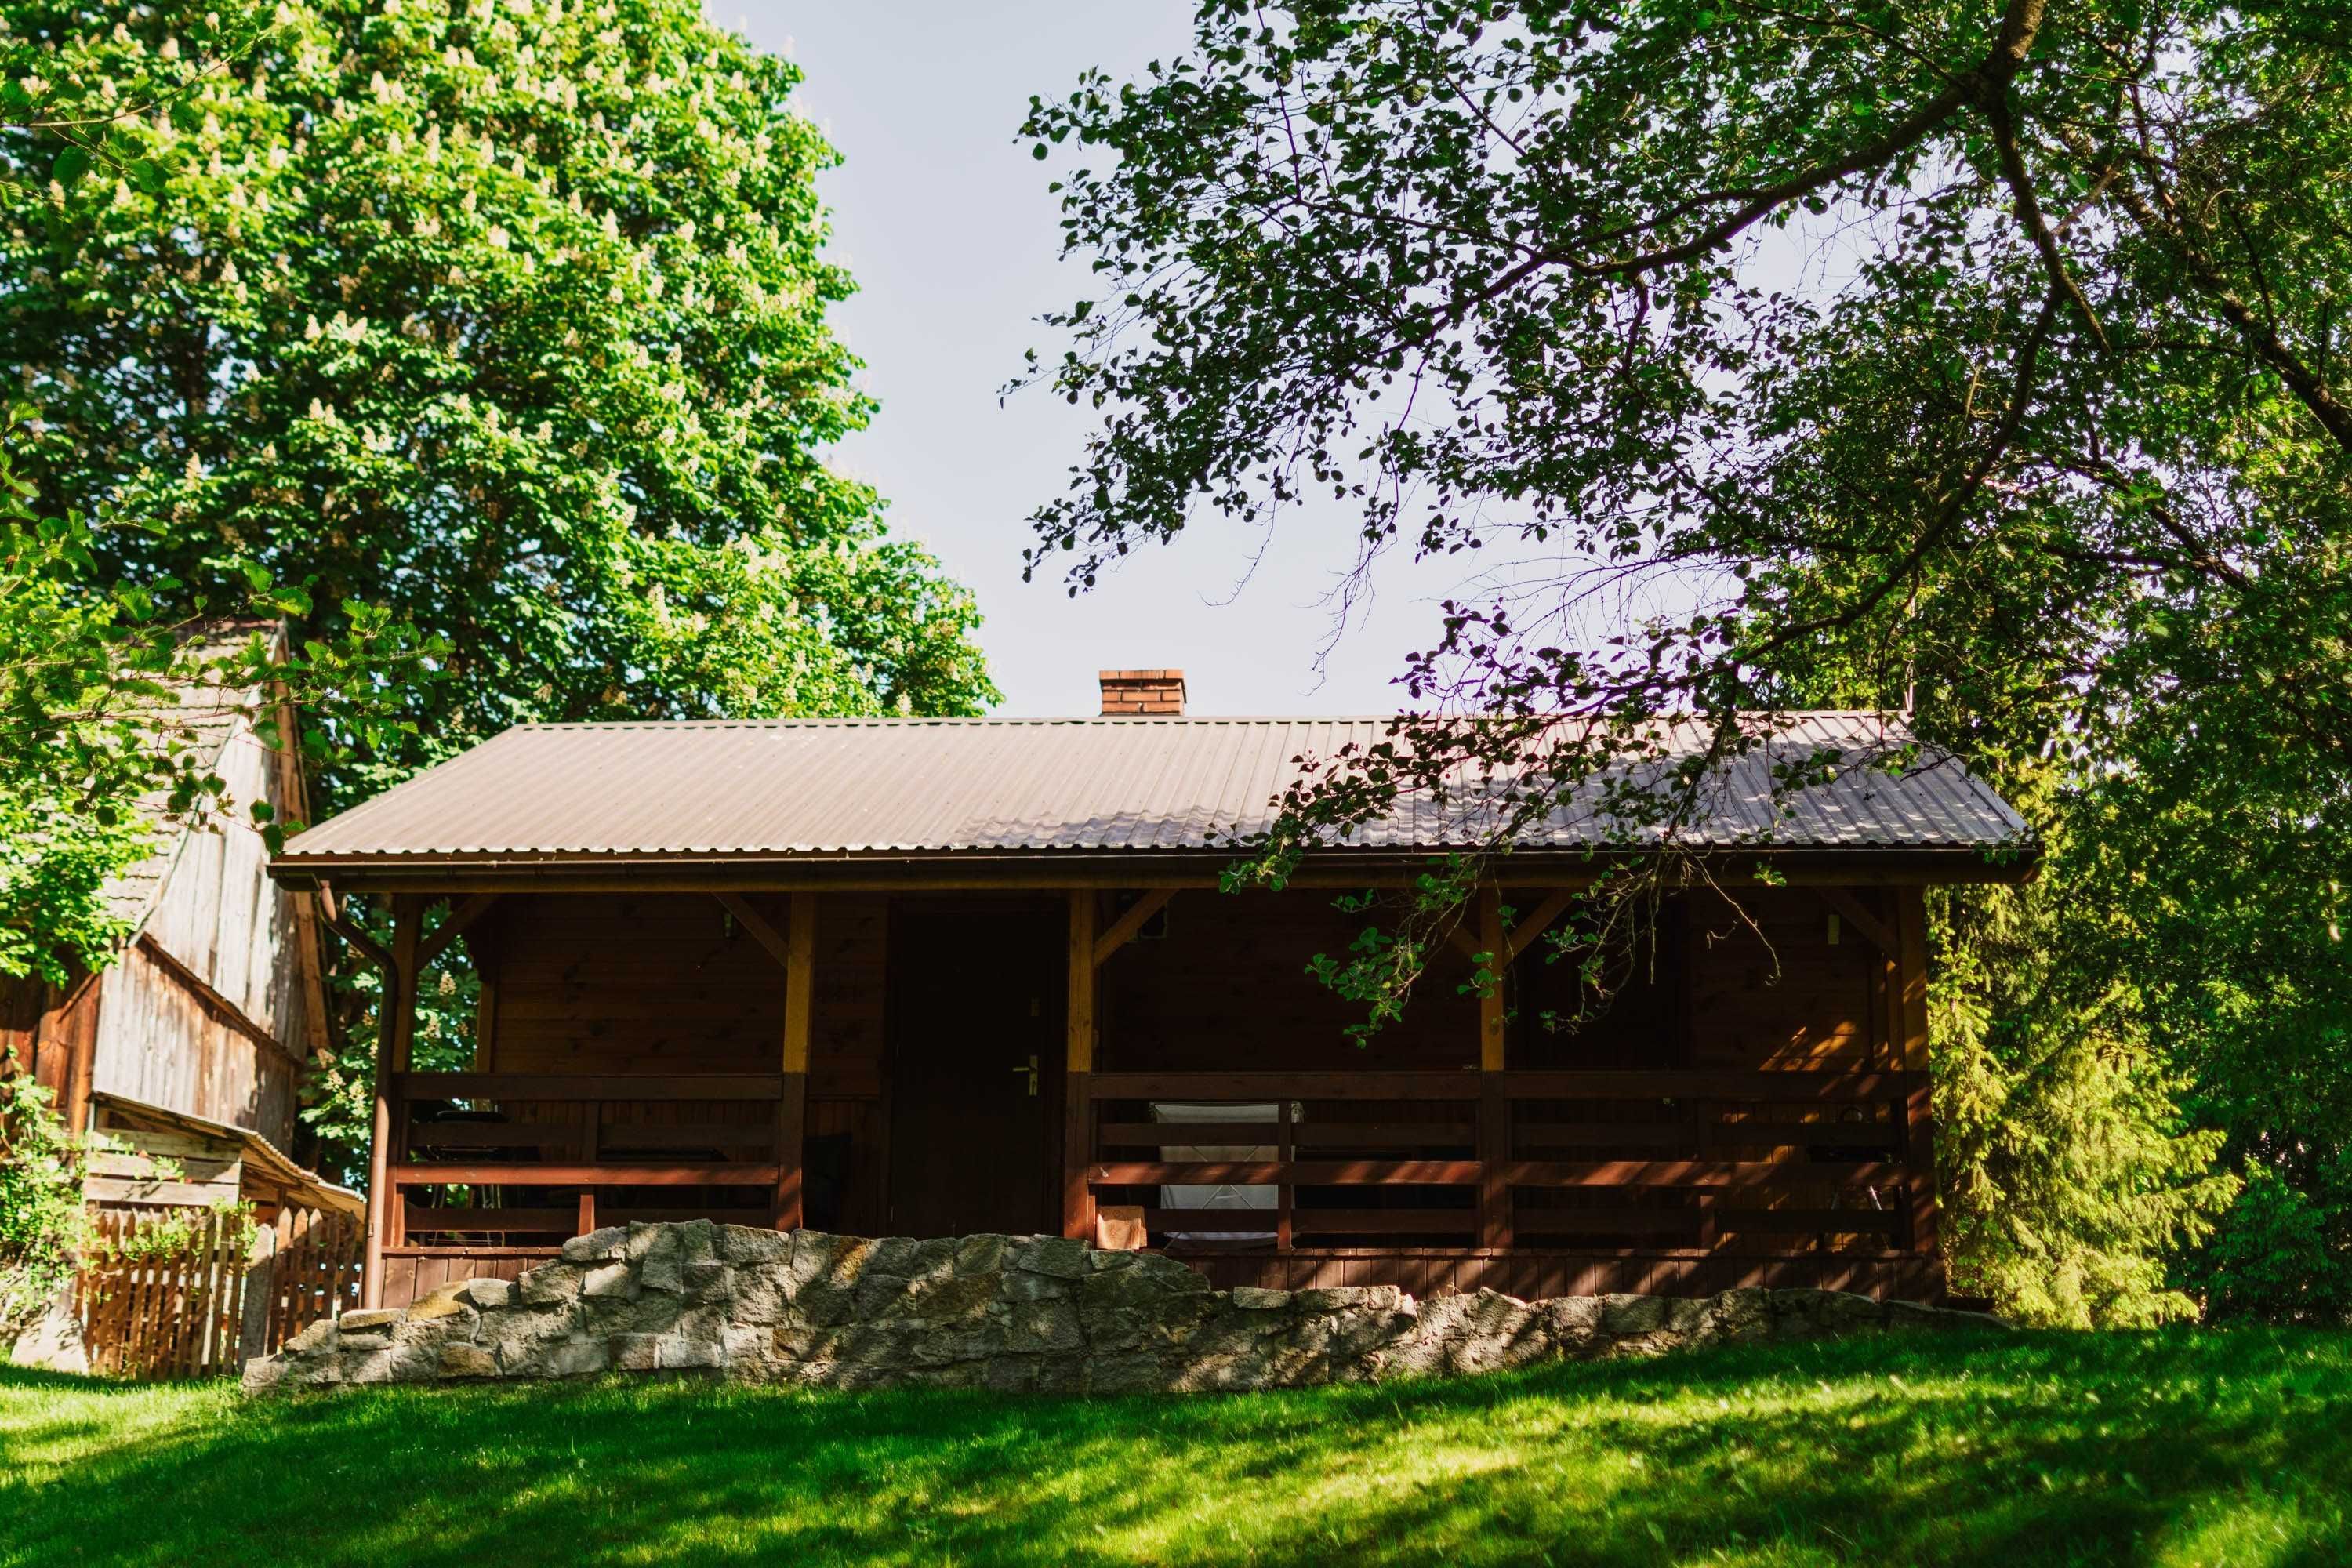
[[1343, 866]]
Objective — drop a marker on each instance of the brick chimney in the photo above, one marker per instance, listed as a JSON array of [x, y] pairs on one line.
[[1152, 691]]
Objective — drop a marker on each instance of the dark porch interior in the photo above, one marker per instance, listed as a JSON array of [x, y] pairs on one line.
[[1750, 1109]]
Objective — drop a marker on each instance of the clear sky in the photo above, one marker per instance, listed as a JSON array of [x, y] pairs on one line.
[[946, 224]]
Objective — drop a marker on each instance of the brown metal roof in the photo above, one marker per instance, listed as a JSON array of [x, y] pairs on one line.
[[888, 787]]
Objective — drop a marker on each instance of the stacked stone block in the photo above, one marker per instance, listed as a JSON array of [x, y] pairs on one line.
[[1011, 1312]]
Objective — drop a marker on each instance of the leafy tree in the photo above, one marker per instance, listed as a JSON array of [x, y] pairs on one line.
[[1988, 352], [98, 734], [44, 1223], [505, 318], [103, 719]]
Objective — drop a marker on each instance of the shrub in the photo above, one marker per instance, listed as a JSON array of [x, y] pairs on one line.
[[43, 1224]]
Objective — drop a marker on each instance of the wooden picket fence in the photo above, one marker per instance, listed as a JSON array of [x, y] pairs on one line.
[[317, 1274], [186, 1313]]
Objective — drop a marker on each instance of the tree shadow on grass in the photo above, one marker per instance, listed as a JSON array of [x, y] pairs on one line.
[[2020, 1450]]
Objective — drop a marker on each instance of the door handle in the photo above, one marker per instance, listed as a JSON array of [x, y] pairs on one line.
[[1031, 1070]]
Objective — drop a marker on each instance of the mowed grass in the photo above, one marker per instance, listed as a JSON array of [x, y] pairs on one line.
[[2179, 1448]]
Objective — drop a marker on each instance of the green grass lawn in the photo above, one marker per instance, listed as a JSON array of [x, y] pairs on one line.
[[2179, 1448]]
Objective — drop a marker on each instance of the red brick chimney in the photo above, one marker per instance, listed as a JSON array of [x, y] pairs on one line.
[[1155, 691]]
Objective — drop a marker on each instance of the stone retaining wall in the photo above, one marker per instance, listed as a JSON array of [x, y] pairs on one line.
[[996, 1311]]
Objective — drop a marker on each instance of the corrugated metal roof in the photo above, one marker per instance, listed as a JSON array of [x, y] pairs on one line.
[[775, 789]]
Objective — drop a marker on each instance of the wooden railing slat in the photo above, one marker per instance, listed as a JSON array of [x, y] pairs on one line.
[[562, 1219], [1674, 1173], [600, 1174], [1774, 1086], [1267, 1086], [665, 1087]]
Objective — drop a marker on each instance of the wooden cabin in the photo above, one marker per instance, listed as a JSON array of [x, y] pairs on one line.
[[934, 977], [191, 1045]]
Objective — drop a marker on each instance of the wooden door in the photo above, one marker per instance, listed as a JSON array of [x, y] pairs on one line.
[[975, 1027]]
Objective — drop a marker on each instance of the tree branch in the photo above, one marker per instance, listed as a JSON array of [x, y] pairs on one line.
[[2028, 207], [2332, 415]]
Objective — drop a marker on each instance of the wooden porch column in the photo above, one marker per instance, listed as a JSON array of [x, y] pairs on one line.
[[1910, 1047], [1077, 1097], [1493, 1106], [395, 1032], [800, 1011]]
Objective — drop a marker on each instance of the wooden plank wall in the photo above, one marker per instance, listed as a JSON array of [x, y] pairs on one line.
[[667, 983], [658, 983], [1779, 993], [163, 1043], [52, 1034], [166, 1170], [1227, 989], [642, 983], [219, 917], [1228, 984]]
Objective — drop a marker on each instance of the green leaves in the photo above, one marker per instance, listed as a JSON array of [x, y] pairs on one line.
[[500, 327], [1820, 357], [72, 162], [458, 338]]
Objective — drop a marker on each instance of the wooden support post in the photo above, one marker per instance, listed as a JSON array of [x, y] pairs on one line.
[[260, 1291], [293, 801], [1890, 994], [1285, 1150], [395, 1031], [1494, 1105], [791, 1109], [591, 1136], [487, 954], [1077, 1082], [1911, 1053]]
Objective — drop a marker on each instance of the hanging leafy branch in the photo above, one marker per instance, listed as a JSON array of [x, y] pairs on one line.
[[1754, 355]]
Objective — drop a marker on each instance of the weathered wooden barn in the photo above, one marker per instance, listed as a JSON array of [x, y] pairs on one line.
[[191, 1045], [933, 977]]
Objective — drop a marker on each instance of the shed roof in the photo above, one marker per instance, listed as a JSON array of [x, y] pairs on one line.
[[809, 788], [301, 1186]]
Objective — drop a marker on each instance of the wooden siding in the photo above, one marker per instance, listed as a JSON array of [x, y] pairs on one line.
[[204, 1013], [51, 1033], [1227, 989], [163, 1042], [665, 982]]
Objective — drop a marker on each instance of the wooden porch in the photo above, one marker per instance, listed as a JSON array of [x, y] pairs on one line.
[[931, 1061]]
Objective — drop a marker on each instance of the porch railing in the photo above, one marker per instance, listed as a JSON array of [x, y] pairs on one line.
[[1674, 1159], [504, 1134], [1671, 1159]]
